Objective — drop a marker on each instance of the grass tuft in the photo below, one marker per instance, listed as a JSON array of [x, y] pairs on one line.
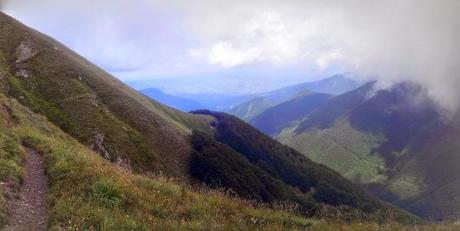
[[106, 192]]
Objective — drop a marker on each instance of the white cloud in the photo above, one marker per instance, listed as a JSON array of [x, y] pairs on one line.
[[415, 40], [326, 59], [265, 38]]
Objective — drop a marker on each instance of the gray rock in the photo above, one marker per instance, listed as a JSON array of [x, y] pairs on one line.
[[98, 146], [25, 52], [24, 73]]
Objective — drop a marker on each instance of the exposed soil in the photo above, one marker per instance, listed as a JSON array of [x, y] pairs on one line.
[[30, 211]]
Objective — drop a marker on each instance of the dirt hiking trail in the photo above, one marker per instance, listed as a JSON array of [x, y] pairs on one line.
[[30, 211]]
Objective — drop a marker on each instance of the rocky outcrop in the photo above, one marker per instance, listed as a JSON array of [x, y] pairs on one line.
[[24, 73], [98, 146], [24, 52], [124, 163]]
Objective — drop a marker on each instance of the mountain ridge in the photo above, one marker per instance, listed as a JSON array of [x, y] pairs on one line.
[[273, 120], [333, 85]]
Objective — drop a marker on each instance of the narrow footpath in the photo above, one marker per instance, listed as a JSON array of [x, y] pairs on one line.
[[30, 211]]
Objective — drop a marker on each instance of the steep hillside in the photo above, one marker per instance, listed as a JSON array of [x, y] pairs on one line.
[[334, 85], [91, 105], [273, 120], [177, 102], [394, 142], [87, 192]]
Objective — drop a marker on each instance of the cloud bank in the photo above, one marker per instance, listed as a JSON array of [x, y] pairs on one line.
[[391, 41]]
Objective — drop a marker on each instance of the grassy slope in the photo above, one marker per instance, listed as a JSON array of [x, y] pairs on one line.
[[85, 102], [273, 120], [434, 171], [88, 191], [351, 155], [252, 108]]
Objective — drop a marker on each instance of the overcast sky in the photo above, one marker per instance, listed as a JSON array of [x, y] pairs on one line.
[[258, 45]]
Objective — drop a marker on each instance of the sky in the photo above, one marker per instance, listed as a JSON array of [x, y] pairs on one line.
[[239, 47]]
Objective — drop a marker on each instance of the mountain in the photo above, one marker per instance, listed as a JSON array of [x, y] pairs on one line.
[[334, 85], [396, 143], [284, 115], [69, 110], [252, 108], [176, 102]]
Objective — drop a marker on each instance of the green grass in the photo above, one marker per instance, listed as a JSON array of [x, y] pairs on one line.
[[106, 192], [406, 187], [344, 149], [11, 172], [363, 226]]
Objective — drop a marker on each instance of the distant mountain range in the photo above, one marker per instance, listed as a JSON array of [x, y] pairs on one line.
[[334, 85], [217, 102], [176, 102]]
